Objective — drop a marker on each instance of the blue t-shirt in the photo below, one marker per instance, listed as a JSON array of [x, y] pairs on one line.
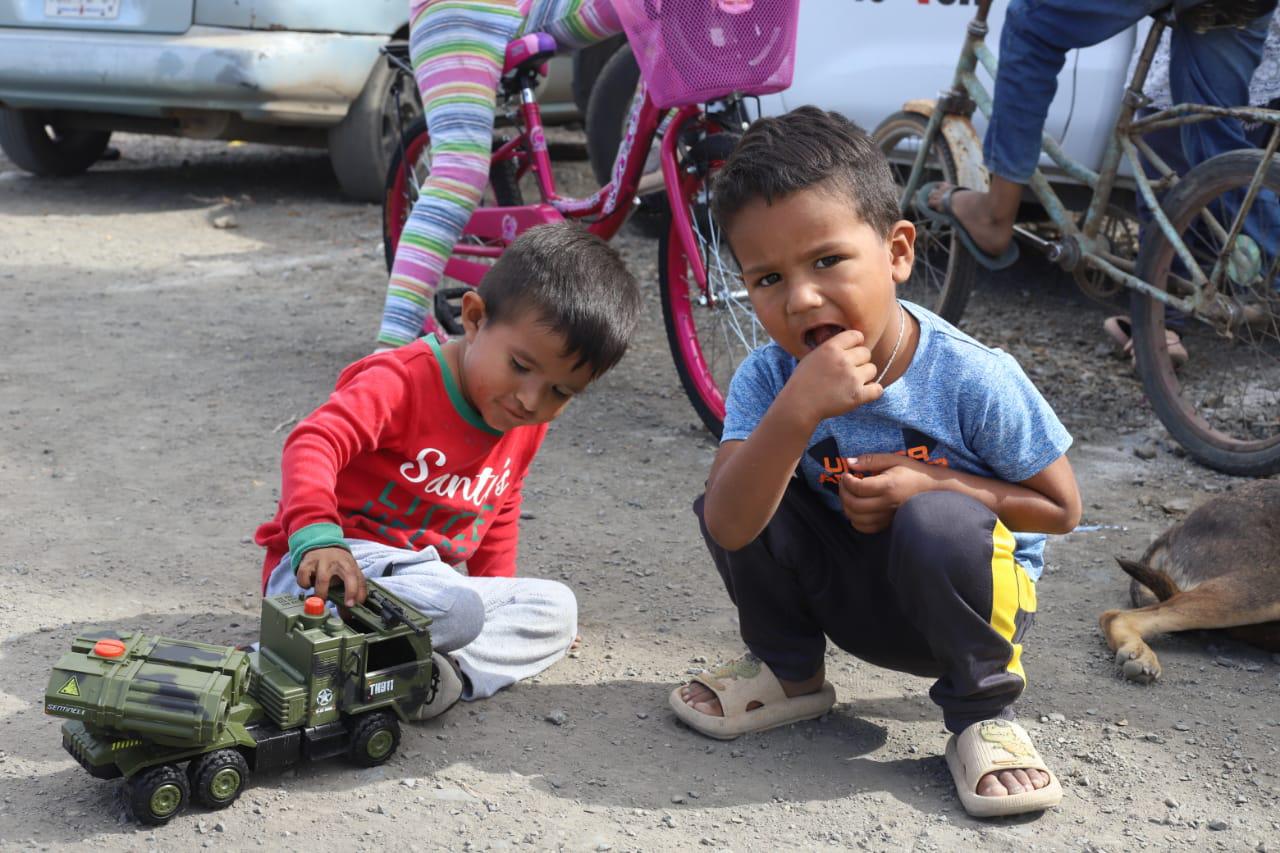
[[960, 404]]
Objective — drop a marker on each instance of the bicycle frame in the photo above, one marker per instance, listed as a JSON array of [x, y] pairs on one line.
[[496, 227], [1081, 244]]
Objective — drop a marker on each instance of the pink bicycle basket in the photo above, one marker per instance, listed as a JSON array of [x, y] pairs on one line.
[[692, 51]]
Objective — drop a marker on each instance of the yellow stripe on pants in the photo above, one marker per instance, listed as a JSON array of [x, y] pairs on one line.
[[1011, 591]]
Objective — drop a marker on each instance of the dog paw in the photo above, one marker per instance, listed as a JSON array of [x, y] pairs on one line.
[[1138, 663]]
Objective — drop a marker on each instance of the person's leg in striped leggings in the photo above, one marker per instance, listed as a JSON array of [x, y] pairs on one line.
[[458, 47]]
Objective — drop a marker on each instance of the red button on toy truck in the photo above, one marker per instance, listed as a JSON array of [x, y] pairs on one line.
[[108, 648]]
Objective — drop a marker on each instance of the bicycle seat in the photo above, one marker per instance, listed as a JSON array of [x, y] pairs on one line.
[[530, 53], [1202, 15]]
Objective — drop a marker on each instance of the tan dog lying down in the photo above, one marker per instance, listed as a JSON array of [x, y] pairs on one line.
[[1217, 568]]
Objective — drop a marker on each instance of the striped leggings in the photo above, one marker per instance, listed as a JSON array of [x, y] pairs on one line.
[[458, 48]]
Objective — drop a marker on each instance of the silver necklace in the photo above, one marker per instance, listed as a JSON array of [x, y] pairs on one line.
[[902, 325]]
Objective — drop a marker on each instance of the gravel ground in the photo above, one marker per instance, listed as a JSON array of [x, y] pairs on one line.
[[154, 360]]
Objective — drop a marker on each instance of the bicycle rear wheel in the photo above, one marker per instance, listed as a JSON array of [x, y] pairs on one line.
[[943, 273], [408, 170], [1223, 406], [710, 331]]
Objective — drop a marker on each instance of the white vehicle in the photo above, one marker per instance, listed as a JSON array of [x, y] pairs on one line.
[[294, 72], [866, 59]]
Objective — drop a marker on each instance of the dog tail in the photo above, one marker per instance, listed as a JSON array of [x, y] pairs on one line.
[[1160, 584]]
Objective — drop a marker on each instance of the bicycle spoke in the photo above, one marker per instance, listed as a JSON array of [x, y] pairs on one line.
[[1229, 390]]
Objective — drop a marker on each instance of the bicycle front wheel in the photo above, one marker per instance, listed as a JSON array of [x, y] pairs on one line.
[[943, 273], [710, 330], [1223, 405]]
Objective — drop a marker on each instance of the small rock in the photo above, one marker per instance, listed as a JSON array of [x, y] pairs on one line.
[[1055, 717], [409, 783], [1181, 727], [1171, 802], [219, 827], [557, 717], [1217, 825], [641, 715], [1176, 506], [1146, 451], [1122, 723], [668, 821], [678, 799], [225, 221]]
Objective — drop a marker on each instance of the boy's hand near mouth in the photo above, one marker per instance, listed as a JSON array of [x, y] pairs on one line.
[[836, 377]]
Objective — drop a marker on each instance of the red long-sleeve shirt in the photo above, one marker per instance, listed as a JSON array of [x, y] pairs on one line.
[[398, 456]]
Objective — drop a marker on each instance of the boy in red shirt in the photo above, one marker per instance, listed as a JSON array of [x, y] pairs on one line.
[[415, 464]]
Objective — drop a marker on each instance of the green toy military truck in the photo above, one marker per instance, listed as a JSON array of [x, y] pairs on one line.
[[318, 686]]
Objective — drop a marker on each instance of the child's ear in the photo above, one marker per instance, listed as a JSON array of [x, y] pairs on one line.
[[902, 249], [473, 314]]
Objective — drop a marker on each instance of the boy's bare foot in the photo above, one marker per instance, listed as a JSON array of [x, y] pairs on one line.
[[988, 217], [999, 784], [1006, 782]]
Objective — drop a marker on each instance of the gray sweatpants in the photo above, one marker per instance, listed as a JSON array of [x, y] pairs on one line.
[[499, 630]]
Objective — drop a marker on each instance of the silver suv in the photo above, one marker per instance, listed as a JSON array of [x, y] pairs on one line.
[[294, 72]]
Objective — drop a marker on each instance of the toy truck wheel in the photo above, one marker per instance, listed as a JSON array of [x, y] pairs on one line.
[[156, 795], [374, 739], [217, 779]]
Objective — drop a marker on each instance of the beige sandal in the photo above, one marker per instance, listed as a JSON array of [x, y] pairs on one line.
[[448, 689], [739, 683], [991, 746]]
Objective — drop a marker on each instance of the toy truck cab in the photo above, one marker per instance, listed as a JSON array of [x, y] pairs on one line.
[[312, 668], [318, 686]]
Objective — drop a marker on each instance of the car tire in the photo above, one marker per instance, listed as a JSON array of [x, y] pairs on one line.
[[607, 113], [362, 144], [36, 146], [587, 65]]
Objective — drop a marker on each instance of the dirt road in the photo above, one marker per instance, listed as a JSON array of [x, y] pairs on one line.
[[151, 365]]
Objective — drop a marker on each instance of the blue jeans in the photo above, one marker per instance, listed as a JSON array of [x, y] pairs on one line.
[[1204, 68], [1213, 68]]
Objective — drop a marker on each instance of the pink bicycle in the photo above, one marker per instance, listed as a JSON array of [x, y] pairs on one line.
[[699, 60]]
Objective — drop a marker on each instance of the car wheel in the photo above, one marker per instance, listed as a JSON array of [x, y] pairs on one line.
[[43, 149], [361, 146], [607, 113], [587, 64]]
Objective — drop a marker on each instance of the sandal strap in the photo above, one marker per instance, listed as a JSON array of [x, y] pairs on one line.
[[740, 682]]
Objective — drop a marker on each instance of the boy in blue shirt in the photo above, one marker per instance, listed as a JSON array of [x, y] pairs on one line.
[[883, 479]]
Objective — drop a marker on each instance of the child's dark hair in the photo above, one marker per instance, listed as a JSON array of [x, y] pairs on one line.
[[578, 286], [805, 148]]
